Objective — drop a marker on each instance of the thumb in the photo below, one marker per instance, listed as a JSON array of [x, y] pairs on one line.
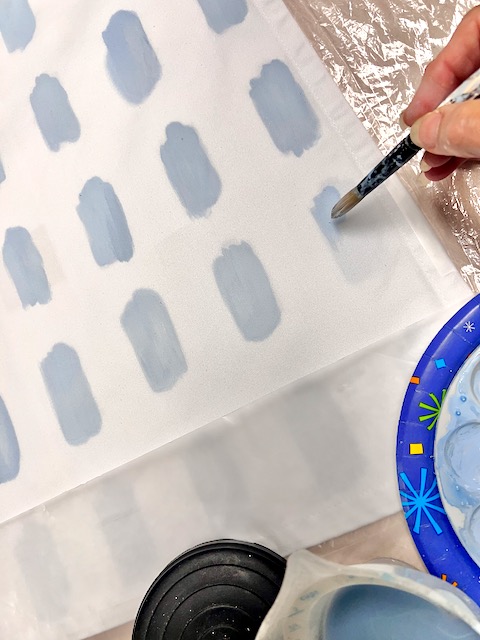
[[452, 130]]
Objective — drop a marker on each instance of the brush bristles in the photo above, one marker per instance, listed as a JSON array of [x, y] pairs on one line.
[[346, 203]]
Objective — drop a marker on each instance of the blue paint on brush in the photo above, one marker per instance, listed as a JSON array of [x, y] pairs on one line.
[[2, 173], [25, 266], [131, 61], [71, 395], [222, 14], [17, 24], [9, 449], [55, 117], [246, 290], [189, 170], [149, 328], [284, 109], [105, 223]]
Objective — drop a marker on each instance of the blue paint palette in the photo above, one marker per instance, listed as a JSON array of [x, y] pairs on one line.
[[438, 544]]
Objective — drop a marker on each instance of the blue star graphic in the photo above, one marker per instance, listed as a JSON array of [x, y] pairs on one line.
[[421, 502]]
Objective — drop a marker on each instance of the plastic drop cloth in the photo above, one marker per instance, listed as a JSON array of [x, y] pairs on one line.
[[376, 52]]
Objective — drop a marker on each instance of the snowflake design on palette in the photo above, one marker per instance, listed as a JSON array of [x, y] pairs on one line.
[[434, 411], [469, 326], [419, 503]]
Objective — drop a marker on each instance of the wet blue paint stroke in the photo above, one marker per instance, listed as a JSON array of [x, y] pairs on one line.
[[189, 170], [71, 396], [2, 173], [246, 291], [149, 328], [9, 449], [17, 24], [322, 209], [131, 61], [24, 263], [104, 219], [284, 109], [53, 112], [223, 14]]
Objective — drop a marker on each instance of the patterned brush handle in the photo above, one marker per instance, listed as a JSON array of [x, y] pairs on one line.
[[400, 155], [406, 149]]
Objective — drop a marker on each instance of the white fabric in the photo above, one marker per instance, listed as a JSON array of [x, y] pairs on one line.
[[266, 200], [297, 468]]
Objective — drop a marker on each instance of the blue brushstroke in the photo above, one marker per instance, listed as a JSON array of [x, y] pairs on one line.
[[284, 109], [246, 290], [9, 449], [17, 24], [189, 170], [2, 173], [222, 14], [71, 395], [55, 117], [149, 328], [25, 266], [105, 223], [322, 210], [131, 61]]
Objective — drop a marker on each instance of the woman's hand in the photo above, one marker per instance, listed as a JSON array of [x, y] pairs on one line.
[[451, 134]]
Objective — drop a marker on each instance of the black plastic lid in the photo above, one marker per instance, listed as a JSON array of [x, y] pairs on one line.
[[220, 590]]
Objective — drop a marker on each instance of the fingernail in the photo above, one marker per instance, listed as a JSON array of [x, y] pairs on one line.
[[403, 124], [424, 131], [424, 166], [422, 180]]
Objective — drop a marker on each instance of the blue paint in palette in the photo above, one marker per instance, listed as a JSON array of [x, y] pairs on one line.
[[17, 24], [9, 449], [223, 14], [104, 219], [131, 61], [71, 396], [55, 117], [2, 173], [284, 109], [25, 266]]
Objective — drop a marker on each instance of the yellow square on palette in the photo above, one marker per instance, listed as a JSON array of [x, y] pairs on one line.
[[416, 448]]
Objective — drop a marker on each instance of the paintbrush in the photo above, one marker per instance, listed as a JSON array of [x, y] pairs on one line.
[[402, 153]]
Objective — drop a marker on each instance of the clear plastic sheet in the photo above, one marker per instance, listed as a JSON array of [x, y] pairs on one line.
[[376, 51]]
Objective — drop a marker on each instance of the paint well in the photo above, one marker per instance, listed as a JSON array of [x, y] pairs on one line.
[[246, 291], [131, 61], [371, 612], [2, 173], [104, 219], [25, 266], [223, 14], [149, 328], [189, 170], [9, 449], [41, 567], [71, 396], [53, 112], [17, 24], [284, 109]]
